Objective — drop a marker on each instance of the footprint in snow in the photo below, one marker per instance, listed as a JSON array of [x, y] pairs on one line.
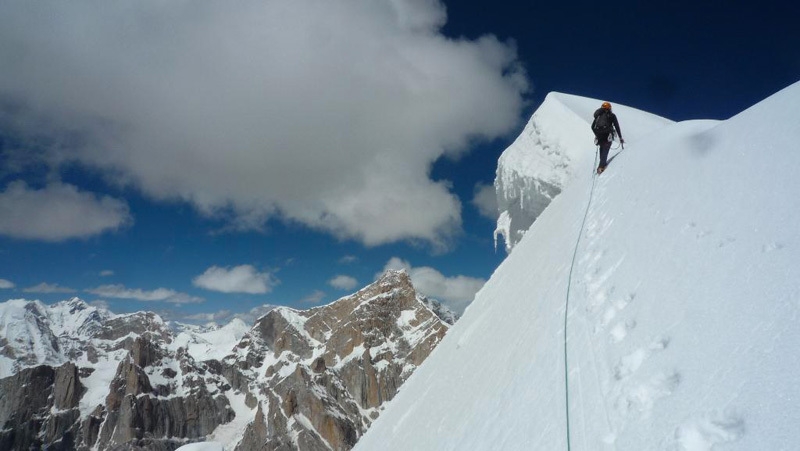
[[617, 305], [597, 301], [633, 361], [710, 430], [592, 258], [623, 302], [703, 234], [620, 331], [599, 275], [728, 240], [639, 399], [630, 363], [769, 247]]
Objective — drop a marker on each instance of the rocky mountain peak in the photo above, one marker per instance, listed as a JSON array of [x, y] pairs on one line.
[[328, 370], [298, 379]]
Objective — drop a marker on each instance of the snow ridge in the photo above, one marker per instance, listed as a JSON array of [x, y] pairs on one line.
[[682, 320], [543, 160]]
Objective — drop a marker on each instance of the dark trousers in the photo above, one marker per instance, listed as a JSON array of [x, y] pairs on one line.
[[605, 146]]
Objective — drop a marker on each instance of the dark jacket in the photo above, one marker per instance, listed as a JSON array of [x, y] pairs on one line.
[[613, 120]]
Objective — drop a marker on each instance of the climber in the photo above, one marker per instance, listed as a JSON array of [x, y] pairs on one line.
[[604, 124]]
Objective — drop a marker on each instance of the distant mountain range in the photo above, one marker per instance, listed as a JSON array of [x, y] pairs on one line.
[[75, 376]]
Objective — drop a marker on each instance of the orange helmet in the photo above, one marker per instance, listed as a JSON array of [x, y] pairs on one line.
[[606, 106]]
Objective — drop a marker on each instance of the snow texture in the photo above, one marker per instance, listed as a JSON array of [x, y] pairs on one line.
[[35, 333], [204, 343], [681, 323]]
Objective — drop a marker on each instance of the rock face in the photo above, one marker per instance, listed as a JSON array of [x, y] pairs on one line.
[[83, 378], [323, 374], [40, 406], [139, 414]]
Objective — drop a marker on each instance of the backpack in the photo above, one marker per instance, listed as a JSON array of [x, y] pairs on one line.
[[603, 122]]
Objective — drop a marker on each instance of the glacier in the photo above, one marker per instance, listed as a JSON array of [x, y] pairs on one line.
[[654, 306]]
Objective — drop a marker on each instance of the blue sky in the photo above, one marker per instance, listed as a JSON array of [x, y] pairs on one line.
[[202, 162]]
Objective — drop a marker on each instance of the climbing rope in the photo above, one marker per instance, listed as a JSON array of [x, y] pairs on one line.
[[566, 304]]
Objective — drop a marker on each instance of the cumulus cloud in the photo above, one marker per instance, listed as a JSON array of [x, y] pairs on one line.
[[6, 284], [106, 273], [48, 288], [343, 282], [456, 292], [485, 200], [329, 114], [239, 279], [58, 212], [159, 294]]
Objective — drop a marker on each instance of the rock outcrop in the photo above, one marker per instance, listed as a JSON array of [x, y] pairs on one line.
[[324, 373], [39, 406], [146, 404]]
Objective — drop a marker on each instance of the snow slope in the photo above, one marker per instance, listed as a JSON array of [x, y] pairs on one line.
[[32, 333], [681, 325], [539, 163], [214, 342]]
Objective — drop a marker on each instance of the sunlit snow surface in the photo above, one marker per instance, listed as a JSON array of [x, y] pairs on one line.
[[683, 315], [541, 161], [35, 333], [210, 343]]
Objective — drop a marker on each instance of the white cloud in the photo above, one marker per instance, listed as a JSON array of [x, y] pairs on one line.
[[239, 279], [99, 303], [397, 263], [254, 314], [314, 298], [456, 292], [159, 294], [48, 288], [329, 113], [221, 317], [58, 212], [6, 284], [106, 273], [343, 282], [348, 259], [485, 200]]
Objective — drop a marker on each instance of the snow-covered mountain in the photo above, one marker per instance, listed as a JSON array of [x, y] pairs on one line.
[[322, 375], [32, 333], [655, 306], [79, 377], [544, 159], [210, 341]]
